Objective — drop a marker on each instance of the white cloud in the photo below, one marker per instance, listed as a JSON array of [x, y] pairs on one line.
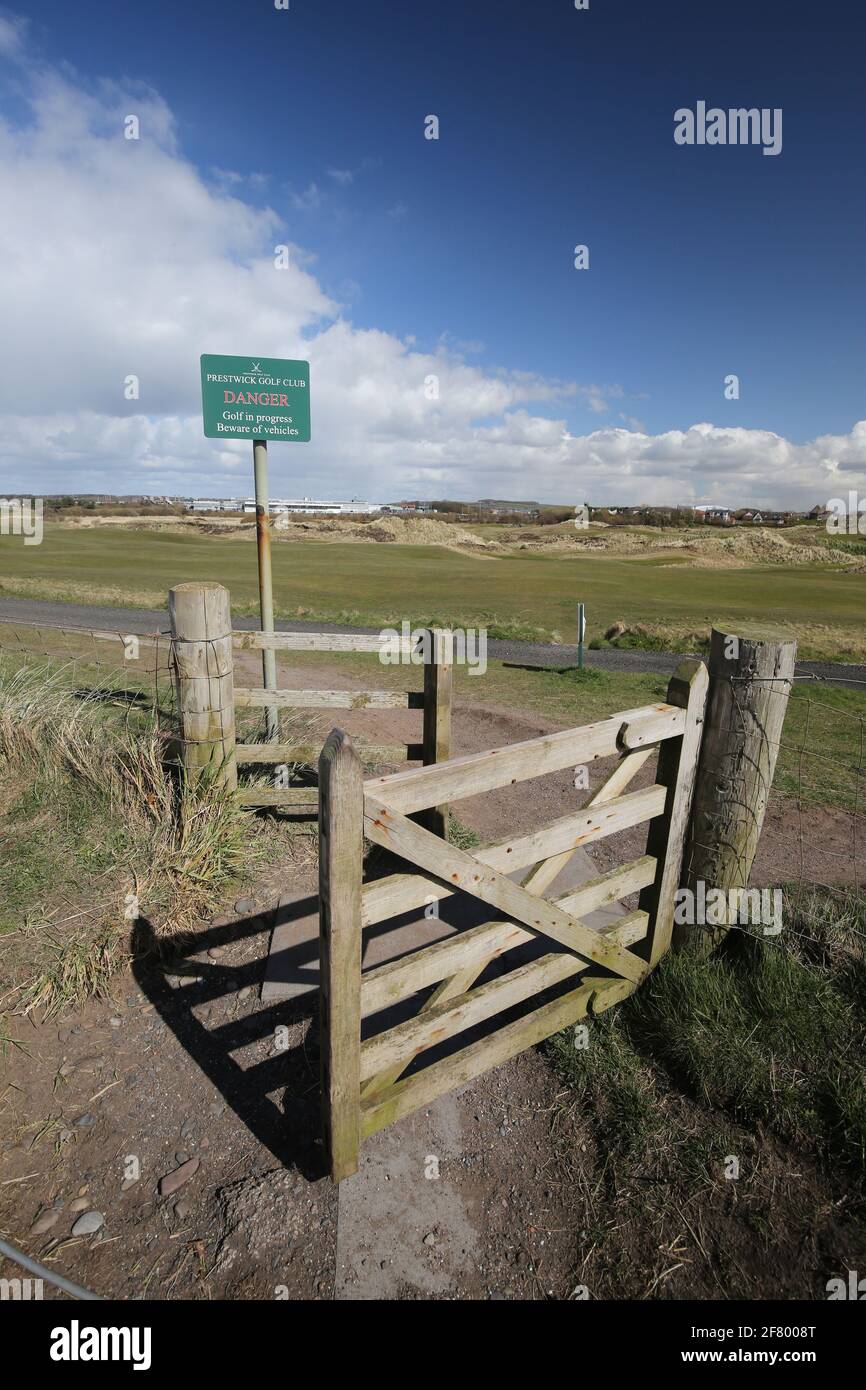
[[118, 257], [346, 176], [13, 29], [308, 201], [597, 398]]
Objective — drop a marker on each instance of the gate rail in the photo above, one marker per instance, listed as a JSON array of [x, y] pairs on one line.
[[203, 647], [363, 1087]]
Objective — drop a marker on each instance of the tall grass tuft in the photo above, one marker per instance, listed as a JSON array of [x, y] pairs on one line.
[[174, 846]]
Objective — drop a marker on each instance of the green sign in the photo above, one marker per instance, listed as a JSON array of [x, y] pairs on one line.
[[255, 398]]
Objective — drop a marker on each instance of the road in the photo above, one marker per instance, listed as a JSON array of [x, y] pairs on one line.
[[45, 613]]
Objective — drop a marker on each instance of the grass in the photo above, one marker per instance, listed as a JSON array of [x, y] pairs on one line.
[[849, 545], [522, 594], [460, 835], [763, 1035], [712, 1128], [94, 832], [658, 638], [822, 755], [559, 692], [51, 830]]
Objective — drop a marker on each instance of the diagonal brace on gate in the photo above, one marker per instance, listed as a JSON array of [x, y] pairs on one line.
[[404, 837]]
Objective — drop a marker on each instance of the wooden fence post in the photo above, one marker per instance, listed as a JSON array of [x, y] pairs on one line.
[[438, 683], [750, 681], [677, 769], [341, 866], [201, 630]]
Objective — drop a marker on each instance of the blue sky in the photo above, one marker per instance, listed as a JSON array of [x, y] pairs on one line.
[[556, 127]]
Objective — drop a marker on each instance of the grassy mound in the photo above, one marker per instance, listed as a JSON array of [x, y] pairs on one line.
[[768, 1034]]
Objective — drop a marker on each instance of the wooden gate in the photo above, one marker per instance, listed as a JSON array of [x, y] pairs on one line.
[[362, 1089], [202, 648], [434, 700]]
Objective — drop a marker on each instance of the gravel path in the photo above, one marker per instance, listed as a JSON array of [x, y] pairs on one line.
[[44, 613]]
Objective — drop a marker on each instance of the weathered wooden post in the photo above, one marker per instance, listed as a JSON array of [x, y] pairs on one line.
[[438, 683], [341, 866], [750, 681], [201, 630]]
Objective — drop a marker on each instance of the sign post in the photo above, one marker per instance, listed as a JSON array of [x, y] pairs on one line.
[[266, 587], [581, 634], [258, 399]]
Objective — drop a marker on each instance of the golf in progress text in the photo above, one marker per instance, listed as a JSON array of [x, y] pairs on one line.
[[255, 398]]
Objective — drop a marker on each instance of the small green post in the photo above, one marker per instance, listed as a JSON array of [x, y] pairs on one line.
[[581, 630]]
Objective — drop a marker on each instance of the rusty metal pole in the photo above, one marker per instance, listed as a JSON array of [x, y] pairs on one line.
[[266, 588]]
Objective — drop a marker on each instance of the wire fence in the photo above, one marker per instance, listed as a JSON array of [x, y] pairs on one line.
[[137, 672], [134, 670]]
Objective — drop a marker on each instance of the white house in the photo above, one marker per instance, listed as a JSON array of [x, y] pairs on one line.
[[705, 512]]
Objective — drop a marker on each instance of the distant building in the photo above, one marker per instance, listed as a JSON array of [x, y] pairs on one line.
[[718, 516], [504, 508], [311, 506], [213, 504]]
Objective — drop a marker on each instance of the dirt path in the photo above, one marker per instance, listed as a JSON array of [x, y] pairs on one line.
[[459, 1201], [470, 1198]]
